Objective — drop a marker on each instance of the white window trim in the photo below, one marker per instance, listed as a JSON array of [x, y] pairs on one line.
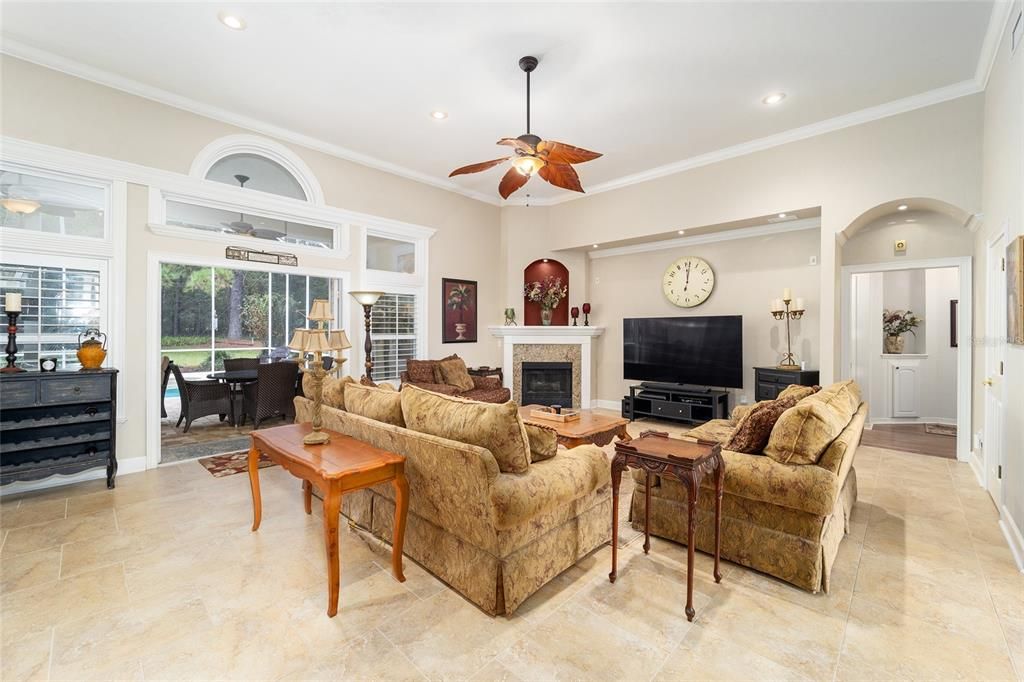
[[153, 321], [260, 146], [111, 249]]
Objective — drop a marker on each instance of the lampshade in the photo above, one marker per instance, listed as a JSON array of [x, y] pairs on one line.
[[316, 341], [298, 341], [366, 297], [320, 311], [339, 340], [527, 165], [15, 205]]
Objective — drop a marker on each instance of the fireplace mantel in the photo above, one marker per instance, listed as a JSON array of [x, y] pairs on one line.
[[547, 336]]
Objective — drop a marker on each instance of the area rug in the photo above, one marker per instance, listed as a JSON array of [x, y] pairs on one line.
[[941, 429], [232, 463]]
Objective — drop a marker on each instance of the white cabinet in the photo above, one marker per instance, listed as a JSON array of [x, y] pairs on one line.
[[906, 392]]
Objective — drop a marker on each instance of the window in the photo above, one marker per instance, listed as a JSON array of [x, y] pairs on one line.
[[260, 173], [58, 303], [51, 204], [394, 334], [212, 313], [247, 228], [390, 255]]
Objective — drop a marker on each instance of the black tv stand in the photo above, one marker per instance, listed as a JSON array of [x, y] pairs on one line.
[[692, 405]]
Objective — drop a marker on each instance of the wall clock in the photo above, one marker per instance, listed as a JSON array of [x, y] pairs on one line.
[[688, 281]]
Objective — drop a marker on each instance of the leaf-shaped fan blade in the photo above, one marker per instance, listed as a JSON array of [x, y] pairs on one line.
[[561, 175], [556, 152], [512, 181], [477, 167], [518, 144]]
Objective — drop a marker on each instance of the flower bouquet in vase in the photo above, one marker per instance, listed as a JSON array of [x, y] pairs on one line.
[[548, 293], [896, 323]]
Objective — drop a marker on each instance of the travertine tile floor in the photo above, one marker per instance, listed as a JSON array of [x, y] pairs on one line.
[[162, 579]]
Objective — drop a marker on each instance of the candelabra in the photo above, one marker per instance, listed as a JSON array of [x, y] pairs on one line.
[[318, 341], [781, 311]]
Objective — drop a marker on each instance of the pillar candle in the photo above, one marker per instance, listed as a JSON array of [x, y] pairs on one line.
[[799, 305], [787, 294], [777, 305], [12, 302]]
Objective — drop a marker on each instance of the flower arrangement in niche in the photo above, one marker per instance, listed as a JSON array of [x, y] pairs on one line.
[[548, 293], [896, 323]]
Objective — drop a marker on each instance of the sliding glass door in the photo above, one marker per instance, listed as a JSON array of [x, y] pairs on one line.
[[212, 313]]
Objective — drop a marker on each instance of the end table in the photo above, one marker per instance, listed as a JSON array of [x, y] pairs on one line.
[[686, 461]]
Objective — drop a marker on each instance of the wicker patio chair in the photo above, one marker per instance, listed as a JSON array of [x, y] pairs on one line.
[[272, 394], [235, 364], [165, 374], [201, 399]]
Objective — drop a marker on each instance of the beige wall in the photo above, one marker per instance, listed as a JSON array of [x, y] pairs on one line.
[[748, 274], [929, 235], [1003, 204], [48, 107]]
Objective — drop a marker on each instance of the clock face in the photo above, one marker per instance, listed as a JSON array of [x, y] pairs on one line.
[[48, 364], [688, 282]]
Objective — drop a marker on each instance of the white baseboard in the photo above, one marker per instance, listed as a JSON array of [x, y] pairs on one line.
[[914, 420], [1013, 536], [607, 404], [127, 466], [978, 467]]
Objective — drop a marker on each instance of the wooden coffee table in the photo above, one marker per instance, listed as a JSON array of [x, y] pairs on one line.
[[340, 466], [686, 461], [591, 427]]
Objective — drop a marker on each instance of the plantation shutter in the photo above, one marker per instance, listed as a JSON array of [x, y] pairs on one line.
[[394, 335], [56, 305]]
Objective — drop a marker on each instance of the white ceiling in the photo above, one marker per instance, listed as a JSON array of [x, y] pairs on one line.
[[647, 85]]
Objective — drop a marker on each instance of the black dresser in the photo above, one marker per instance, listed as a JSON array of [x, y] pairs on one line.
[[770, 381], [57, 423]]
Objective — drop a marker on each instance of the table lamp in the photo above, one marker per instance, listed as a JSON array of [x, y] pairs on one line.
[[319, 341], [367, 299]]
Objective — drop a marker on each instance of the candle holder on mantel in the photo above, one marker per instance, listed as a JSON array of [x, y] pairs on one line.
[[782, 310], [574, 313], [586, 314]]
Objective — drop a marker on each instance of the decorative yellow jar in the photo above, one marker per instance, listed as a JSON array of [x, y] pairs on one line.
[[92, 348]]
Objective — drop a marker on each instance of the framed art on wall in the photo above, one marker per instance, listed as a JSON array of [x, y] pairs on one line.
[[458, 301], [1015, 291]]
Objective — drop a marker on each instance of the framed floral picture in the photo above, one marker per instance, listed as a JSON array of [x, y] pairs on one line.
[[458, 301]]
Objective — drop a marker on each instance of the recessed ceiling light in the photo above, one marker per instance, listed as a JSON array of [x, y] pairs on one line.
[[782, 215], [773, 98], [231, 21], [681, 232], [902, 207], [595, 246], [439, 115]]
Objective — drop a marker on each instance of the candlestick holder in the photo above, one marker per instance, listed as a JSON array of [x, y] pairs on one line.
[[586, 314], [12, 344], [574, 313], [788, 360]]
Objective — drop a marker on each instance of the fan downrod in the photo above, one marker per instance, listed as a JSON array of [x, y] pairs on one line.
[[528, 63]]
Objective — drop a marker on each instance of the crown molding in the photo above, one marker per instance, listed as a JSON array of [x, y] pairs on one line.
[[20, 50], [900, 106], [999, 17], [1001, 10], [723, 236]]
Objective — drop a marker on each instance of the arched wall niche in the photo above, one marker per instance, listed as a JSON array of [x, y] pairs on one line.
[[538, 271]]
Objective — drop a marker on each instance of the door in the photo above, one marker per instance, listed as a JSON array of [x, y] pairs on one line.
[[904, 390], [995, 357]]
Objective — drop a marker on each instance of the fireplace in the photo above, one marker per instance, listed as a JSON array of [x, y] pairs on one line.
[[547, 383]]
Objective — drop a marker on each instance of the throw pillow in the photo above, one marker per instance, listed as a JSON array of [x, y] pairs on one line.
[[797, 390], [804, 432], [438, 377], [494, 426], [421, 371], [454, 373], [380, 404], [333, 389], [755, 427], [543, 442]]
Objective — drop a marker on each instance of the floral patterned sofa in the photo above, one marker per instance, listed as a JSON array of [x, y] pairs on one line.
[[429, 375], [496, 508], [784, 519]]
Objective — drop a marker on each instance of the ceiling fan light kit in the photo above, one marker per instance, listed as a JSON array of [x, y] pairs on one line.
[[533, 155]]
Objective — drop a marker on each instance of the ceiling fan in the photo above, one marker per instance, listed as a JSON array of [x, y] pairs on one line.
[[551, 160], [240, 226]]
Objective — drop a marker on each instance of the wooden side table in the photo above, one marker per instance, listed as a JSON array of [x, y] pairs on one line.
[[340, 466], [686, 461]]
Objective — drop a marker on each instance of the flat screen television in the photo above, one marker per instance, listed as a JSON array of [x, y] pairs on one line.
[[701, 351]]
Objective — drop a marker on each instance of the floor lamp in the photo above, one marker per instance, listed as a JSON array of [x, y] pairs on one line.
[[367, 299]]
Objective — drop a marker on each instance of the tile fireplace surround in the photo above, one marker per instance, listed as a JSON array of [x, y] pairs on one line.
[[549, 344]]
